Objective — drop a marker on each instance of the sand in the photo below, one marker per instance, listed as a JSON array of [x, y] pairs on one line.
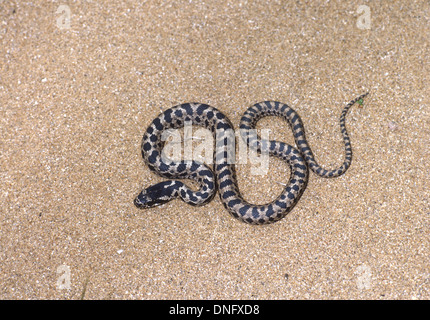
[[79, 85]]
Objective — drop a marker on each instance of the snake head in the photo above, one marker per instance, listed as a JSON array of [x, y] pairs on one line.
[[156, 195]]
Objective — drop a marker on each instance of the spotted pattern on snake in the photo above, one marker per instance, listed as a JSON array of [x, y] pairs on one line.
[[223, 176]]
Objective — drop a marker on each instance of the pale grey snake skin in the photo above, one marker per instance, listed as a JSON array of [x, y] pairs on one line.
[[224, 178]]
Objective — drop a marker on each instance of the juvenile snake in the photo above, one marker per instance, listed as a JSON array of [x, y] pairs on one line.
[[223, 177]]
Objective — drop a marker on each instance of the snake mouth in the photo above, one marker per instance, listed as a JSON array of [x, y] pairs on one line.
[[139, 204], [142, 202]]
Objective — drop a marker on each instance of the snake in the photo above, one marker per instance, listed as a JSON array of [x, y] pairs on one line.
[[222, 175]]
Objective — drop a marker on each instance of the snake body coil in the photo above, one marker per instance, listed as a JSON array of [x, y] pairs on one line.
[[224, 178]]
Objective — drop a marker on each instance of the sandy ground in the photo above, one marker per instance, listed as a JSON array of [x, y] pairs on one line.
[[80, 84]]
